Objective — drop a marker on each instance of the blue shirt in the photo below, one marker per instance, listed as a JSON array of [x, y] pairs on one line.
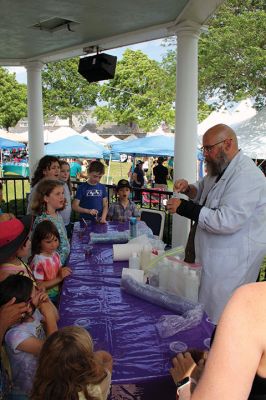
[[91, 197], [75, 168]]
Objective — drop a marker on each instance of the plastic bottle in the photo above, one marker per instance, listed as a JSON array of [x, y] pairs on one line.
[[164, 273], [145, 257], [192, 286], [133, 227], [134, 261]]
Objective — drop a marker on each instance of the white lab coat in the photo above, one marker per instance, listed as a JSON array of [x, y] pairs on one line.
[[230, 240]]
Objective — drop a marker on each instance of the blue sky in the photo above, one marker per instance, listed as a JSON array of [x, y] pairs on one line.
[[153, 49]]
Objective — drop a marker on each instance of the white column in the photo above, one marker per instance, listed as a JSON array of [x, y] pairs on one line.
[[35, 113], [185, 163]]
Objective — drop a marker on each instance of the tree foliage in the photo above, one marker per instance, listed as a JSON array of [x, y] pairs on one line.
[[232, 54], [137, 94], [13, 99], [65, 91]]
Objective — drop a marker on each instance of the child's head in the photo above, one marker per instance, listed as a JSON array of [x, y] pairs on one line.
[[14, 236], [50, 193], [45, 238], [66, 365], [95, 172], [123, 189], [17, 286], [65, 172], [48, 167]]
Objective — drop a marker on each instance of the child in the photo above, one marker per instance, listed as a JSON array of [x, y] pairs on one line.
[[91, 197], [14, 245], [46, 201], [46, 264], [48, 167], [69, 369], [24, 340], [124, 208], [65, 177]]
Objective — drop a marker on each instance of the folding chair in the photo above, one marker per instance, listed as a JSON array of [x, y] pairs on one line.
[[154, 219]]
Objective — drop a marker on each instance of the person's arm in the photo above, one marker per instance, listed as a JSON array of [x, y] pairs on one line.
[[62, 273], [76, 207], [49, 317], [238, 347], [105, 211], [31, 345]]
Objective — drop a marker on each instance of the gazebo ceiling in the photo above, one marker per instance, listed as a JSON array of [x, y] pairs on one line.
[[52, 29]]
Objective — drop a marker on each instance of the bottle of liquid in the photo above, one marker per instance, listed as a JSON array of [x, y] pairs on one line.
[[145, 257], [192, 286], [134, 261], [164, 273], [133, 227]]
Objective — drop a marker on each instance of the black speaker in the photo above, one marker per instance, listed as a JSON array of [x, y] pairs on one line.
[[98, 67]]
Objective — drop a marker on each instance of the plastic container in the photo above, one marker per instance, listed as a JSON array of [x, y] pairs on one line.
[[133, 227], [134, 261], [145, 257], [192, 286]]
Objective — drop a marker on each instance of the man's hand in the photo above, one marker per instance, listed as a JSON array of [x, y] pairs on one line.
[[173, 204], [180, 185]]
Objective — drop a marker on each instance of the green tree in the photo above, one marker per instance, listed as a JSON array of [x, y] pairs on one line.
[[232, 54], [65, 91], [13, 99], [137, 94]]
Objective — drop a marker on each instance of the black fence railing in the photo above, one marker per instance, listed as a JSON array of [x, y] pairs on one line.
[[16, 190]]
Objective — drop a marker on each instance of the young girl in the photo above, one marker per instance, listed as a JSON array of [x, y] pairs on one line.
[[46, 264], [69, 369], [24, 340], [46, 201], [48, 167], [65, 177], [14, 245]]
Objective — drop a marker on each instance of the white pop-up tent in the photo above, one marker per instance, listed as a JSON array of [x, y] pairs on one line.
[[59, 134], [251, 135]]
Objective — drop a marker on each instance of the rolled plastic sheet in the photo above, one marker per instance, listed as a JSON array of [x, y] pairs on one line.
[[117, 237], [122, 252], [159, 297]]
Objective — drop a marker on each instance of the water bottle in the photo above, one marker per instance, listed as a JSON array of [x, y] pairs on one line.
[[133, 227], [134, 261]]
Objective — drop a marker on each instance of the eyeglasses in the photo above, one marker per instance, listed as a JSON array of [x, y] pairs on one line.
[[209, 148]]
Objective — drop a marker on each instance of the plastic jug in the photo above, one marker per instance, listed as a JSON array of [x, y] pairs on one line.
[[134, 261]]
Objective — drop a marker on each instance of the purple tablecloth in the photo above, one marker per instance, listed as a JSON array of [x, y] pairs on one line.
[[121, 323]]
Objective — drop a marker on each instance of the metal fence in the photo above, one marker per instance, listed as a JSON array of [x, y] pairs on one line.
[[16, 191]]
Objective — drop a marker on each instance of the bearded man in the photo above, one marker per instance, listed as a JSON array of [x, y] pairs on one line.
[[229, 209]]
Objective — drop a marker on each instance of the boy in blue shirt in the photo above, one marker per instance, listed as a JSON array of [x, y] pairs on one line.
[[91, 197]]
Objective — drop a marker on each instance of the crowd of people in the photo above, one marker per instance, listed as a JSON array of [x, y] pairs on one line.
[[228, 208]]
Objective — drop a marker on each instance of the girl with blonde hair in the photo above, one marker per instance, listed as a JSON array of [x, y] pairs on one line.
[[46, 203], [69, 369]]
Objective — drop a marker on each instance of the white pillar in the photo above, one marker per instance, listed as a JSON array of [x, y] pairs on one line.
[[35, 113], [186, 116]]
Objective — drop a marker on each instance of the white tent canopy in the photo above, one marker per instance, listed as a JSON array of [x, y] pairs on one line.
[[112, 139], [59, 134], [251, 135], [229, 116], [94, 137]]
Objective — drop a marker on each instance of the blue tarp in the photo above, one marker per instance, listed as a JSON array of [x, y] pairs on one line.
[[7, 144], [148, 146], [76, 146]]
